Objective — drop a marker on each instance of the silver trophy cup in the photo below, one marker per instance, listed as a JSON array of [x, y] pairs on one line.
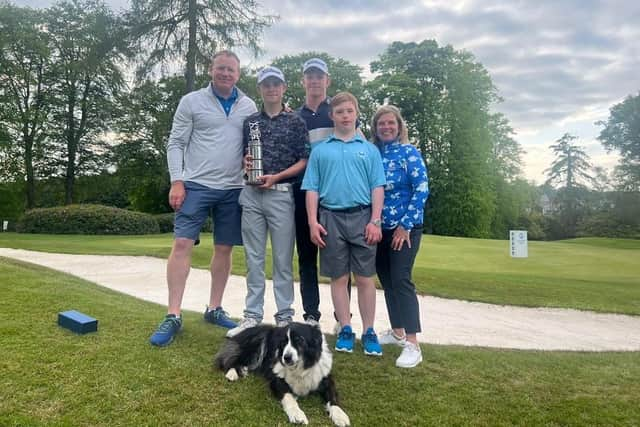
[[255, 151]]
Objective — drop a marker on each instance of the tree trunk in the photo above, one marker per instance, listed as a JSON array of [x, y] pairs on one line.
[[28, 166], [71, 151], [190, 74]]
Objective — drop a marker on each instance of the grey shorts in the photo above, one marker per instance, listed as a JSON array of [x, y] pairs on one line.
[[199, 203], [346, 249]]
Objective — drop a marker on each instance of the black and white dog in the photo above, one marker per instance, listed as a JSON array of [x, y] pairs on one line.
[[295, 359]]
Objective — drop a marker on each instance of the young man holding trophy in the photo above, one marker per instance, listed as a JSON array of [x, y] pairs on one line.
[[278, 144]]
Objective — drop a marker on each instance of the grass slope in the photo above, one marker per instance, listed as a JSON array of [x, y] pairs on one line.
[[588, 274], [51, 376]]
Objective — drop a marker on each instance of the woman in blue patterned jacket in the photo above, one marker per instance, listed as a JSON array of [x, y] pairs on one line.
[[405, 194]]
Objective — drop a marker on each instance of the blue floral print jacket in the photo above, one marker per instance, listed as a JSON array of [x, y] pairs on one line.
[[407, 186]]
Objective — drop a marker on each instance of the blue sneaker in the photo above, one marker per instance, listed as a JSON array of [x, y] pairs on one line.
[[166, 331], [219, 317], [346, 340], [370, 343]]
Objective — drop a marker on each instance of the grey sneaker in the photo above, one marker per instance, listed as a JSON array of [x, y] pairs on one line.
[[389, 337], [246, 323], [283, 322], [410, 357]]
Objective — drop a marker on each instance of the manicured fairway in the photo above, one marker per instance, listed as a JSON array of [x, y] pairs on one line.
[[49, 376]]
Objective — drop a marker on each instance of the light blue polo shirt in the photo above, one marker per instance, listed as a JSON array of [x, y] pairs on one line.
[[344, 173]]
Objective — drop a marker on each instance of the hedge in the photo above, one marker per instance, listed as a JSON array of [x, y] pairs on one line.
[[165, 222], [86, 219]]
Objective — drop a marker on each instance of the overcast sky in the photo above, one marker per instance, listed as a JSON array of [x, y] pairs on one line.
[[559, 65]]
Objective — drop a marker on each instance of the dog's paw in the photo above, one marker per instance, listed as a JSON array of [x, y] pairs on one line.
[[295, 414], [232, 375], [244, 371], [338, 416]]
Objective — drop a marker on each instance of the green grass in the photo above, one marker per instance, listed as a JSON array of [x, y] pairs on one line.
[[587, 274], [50, 376]]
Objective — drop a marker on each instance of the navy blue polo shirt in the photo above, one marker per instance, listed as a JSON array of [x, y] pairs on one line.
[[319, 125]]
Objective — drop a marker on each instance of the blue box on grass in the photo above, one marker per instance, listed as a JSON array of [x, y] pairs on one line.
[[77, 322]]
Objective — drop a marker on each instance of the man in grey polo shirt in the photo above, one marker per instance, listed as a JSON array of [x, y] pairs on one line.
[[204, 154]]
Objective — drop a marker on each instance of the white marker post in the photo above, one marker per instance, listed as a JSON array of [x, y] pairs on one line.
[[5, 225], [518, 244]]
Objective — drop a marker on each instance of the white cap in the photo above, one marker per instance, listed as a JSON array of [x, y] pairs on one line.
[[270, 72], [315, 63]]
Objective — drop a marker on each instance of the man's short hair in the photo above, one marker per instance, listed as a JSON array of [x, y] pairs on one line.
[[342, 97], [225, 52]]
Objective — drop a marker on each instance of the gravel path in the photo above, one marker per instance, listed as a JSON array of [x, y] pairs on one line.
[[444, 321]]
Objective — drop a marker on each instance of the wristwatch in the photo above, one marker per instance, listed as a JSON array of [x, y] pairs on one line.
[[376, 222]]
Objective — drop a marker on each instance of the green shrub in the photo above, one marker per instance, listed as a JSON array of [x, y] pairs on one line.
[[86, 219], [165, 222]]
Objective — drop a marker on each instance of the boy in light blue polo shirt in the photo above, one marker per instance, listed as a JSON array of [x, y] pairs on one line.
[[345, 192]]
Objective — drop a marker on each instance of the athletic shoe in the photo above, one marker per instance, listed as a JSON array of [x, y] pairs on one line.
[[219, 317], [311, 320], [246, 323], [337, 328], [411, 356], [283, 322], [370, 343], [166, 331], [389, 337], [346, 340]]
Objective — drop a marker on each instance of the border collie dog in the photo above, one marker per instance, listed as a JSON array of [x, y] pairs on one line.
[[296, 361]]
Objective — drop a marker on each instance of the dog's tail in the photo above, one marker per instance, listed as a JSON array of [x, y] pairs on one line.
[[227, 356], [245, 349]]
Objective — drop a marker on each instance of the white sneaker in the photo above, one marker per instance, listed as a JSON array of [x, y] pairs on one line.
[[282, 323], [410, 357], [246, 323], [337, 328], [389, 337]]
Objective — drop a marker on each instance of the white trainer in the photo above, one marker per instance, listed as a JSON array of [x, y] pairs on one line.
[[410, 357], [337, 328], [246, 323], [389, 337]]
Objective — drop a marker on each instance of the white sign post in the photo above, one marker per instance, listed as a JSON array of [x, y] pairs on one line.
[[5, 225], [518, 244]]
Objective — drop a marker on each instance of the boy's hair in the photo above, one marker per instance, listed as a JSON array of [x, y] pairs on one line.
[[342, 97], [403, 134]]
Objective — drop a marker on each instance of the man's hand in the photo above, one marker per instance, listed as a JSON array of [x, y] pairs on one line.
[[400, 235], [317, 231], [372, 234], [176, 195]]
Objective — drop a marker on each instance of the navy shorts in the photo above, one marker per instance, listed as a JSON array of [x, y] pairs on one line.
[[199, 203]]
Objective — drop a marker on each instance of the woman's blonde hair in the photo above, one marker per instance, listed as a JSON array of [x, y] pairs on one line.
[[403, 134]]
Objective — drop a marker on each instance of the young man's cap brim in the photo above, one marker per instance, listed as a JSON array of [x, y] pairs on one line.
[[315, 64], [267, 72]]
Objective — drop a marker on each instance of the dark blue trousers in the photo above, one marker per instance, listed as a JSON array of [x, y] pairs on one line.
[[394, 270]]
